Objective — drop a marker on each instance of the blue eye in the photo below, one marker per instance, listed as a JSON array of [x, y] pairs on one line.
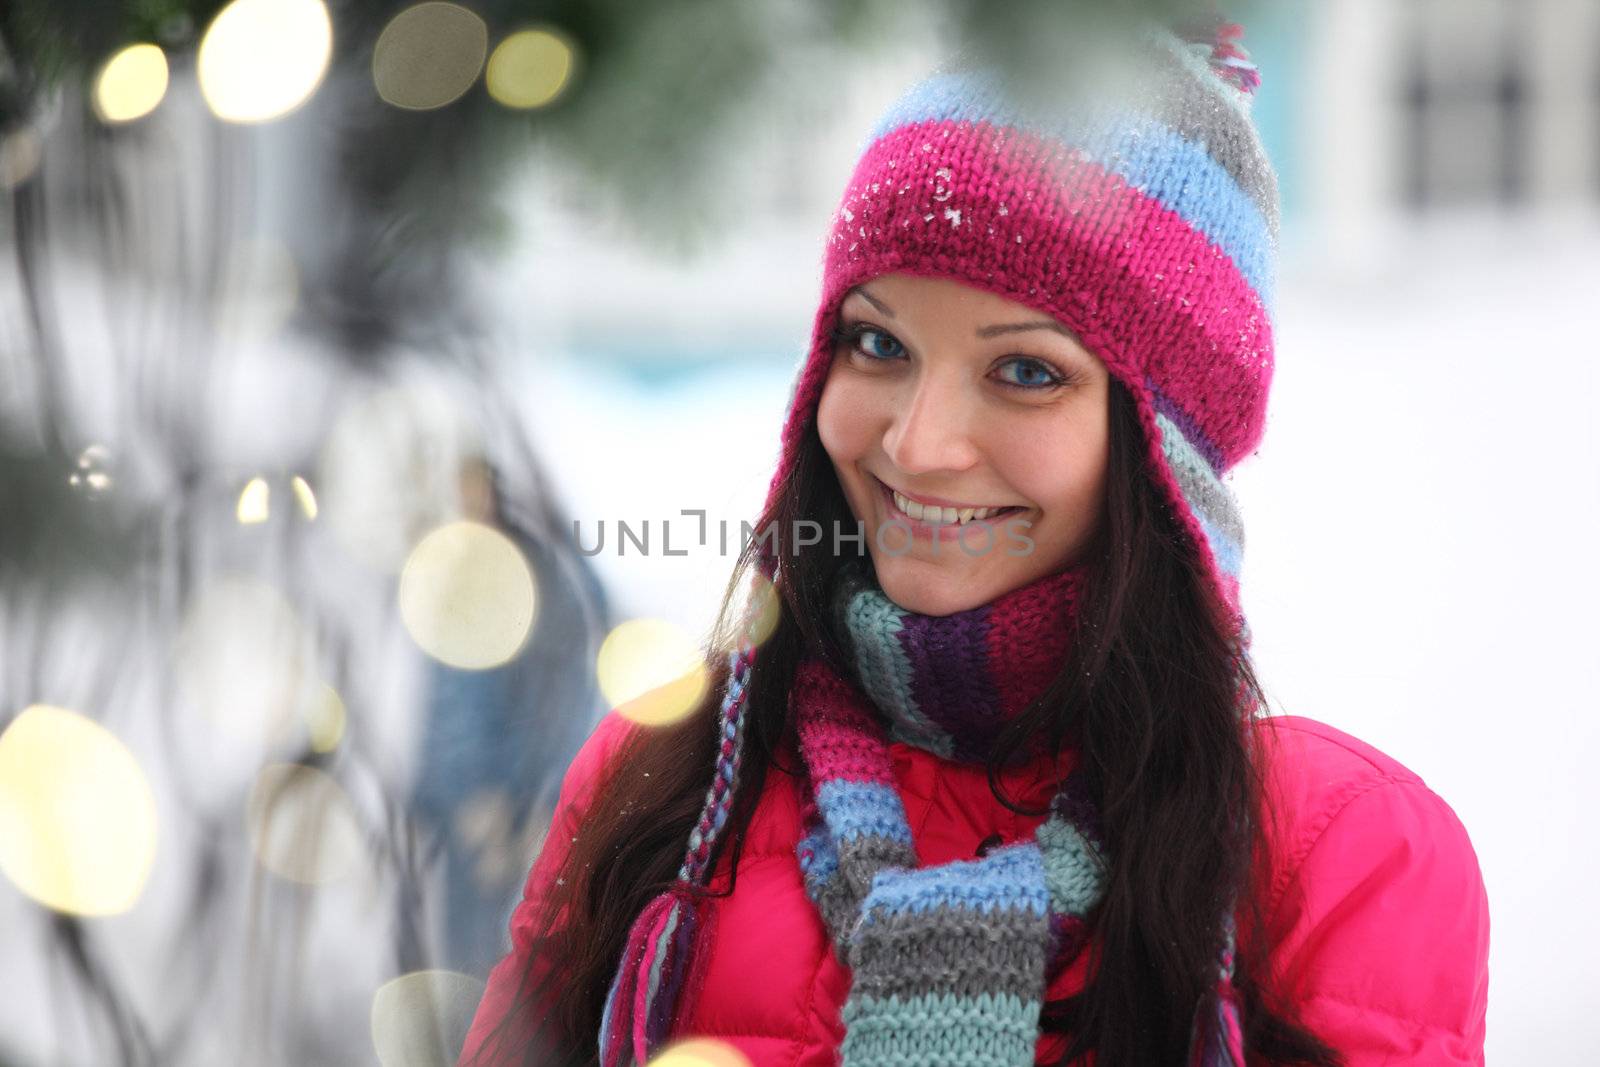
[[872, 343], [1037, 374]]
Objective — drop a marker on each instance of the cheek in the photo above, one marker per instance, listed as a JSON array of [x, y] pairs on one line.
[[843, 418], [1064, 472]]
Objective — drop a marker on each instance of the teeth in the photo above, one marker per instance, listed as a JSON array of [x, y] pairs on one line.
[[947, 516]]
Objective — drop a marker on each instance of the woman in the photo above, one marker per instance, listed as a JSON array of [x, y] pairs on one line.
[[998, 786]]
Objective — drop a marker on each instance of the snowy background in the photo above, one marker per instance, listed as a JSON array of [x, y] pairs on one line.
[[1421, 519]]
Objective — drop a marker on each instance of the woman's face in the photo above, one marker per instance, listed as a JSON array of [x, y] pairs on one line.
[[955, 397]]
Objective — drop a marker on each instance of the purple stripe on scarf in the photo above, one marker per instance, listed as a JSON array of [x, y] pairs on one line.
[[950, 677]]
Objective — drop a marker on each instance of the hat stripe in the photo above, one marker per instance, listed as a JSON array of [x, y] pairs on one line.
[[1185, 178], [1207, 496], [1188, 105], [1200, 484], [1146, 152], [1146, 292]]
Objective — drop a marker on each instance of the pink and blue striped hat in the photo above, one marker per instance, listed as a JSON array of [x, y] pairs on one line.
[[1144, 218]]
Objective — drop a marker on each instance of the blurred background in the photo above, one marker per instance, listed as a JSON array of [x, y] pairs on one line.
[[379, 383]]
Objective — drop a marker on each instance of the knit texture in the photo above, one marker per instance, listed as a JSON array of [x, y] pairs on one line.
[[1146, 222], [949, 963]]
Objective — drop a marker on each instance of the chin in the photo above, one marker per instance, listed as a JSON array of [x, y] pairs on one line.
[[927, 587]]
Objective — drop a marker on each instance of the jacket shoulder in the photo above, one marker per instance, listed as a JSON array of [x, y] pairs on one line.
[[582, 777], [1377, 913], [1324, 755]]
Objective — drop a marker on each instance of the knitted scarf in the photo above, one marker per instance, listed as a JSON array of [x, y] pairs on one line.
[[949, 963]]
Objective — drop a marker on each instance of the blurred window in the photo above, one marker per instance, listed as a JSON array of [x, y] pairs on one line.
[[1465, 102]]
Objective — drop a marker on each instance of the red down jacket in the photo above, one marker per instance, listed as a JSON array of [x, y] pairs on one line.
[[1380, 918]]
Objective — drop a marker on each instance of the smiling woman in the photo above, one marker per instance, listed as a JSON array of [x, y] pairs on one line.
[[966, 806], [959, 401]]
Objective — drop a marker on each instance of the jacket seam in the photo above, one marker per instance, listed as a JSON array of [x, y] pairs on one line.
[[1292, 870], [807, 1013], [1280, 722]]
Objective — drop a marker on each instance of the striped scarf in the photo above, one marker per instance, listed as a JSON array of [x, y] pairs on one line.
[[950, 962]]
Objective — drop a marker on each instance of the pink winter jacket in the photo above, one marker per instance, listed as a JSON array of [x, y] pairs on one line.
[[1379, 925]]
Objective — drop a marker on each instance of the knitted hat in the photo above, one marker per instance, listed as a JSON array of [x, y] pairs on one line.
[[1144, 218]]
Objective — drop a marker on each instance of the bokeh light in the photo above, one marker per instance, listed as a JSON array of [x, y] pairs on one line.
[[325, 719], [429, 55], [467, 596], [303, 494], [421, 1019], [254, 502], [131, 83], [699, 1052], [530, 68], [764, 607], [77, 816], [651, 671], [302, 825], [20, 153], [92, 474], [261, 59]]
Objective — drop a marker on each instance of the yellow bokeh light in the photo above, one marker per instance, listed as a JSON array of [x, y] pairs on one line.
[[423, 1017], [131, 83], [467, 596], [651, 671], [261, 59], [699, 1052], [325, 719], [254, 502], [429, 55], [77, 816], [530, 68], [763, 608], [303, 493], [302, 825]]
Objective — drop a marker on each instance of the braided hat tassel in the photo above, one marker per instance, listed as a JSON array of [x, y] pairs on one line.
[[663, 954]]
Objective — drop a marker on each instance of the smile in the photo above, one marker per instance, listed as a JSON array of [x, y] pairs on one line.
[[939, 512]]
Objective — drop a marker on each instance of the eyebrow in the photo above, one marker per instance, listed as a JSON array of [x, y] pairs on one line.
[[983, 332]]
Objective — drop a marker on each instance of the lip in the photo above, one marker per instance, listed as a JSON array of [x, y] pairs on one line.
[[938, 531]]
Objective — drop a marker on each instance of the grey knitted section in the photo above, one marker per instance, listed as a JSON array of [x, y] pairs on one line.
[[1200, 485], [1190, 99], [839, 895], [951, 949]]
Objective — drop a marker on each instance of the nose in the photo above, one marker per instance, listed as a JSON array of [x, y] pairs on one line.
[[932, 429]]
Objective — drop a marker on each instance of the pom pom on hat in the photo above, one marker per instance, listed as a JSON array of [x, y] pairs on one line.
[[1221, 44]]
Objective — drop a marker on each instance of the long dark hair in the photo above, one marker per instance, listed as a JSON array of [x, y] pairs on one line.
[[1151, 696]]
